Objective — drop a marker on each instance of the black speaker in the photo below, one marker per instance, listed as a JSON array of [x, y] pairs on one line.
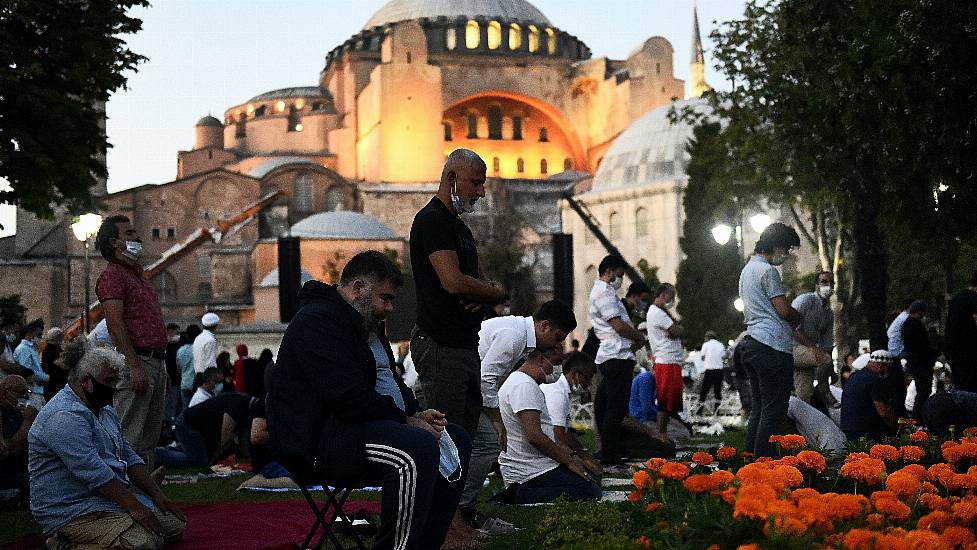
[[289, 277], [563, 267]]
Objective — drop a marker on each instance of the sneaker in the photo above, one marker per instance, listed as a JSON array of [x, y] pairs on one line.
[[616, 470], [496, 526]]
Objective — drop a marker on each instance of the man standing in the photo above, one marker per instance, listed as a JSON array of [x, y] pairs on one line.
[[713, 352], [766, 351], [184, 359], [961, 337], [11, 339], [205, 345], [28, 356], [636, 301], [135, 323], [920, 354], [813, 341], [356, 419], [615, 356], [665, 335], [894, 333], [174, 398]]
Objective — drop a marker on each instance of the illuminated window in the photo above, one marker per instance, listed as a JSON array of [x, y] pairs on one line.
[[447, 131], [299, 103], [567, 164], [335, 199], [542, 166], [472, 126], [533, 39], [279, 106], [550, 41], [614, 226], [640, 222], [450, 39], [494, 37], [520, 166], [517, 127], [495, 122], [544, 135], [496, 165], [515, 37], [472, 35]]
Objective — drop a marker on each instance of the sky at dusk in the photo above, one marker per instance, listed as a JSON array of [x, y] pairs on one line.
[[207, 55]]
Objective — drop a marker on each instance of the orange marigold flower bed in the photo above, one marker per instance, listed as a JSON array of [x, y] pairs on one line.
[[956, 452], [970, 432], [725, 453], [846, 506], [860, 539], [699, 483], [887, 503], [911, 453], [811, 461], [935, 521], [919, 436], [957, 536], [884, 452], [865, 470], [906, 484], [852, 457], [933, 502], [674, 470], [702, 458]]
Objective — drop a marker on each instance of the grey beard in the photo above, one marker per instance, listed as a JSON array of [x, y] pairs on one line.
[[363, 306]]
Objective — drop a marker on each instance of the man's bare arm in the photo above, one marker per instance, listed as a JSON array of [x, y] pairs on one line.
[[785, 311], [445, 263], [626, 330]]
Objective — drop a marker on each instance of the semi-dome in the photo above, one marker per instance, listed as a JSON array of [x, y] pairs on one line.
[[271, 279], [343, 225], [402, 10], [294, 91], [649, 151], [209, 121], [263, 169]]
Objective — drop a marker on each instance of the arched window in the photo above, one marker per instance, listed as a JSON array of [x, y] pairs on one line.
[[641, 222], [260, 111], [568, 164], [472, 35], [495, 122], [302, 193], [447, 131], [542, 166], [614, 226], [551, 41], [450, 38], [515, 36], [544, 135], [335, 199], [520, 166], [496, 165], [165, 284], [533, 39], [294, 120], [517, 127], [494, 35], [472, 126]]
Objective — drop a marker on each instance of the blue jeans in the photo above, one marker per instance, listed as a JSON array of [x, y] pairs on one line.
[[192, 449], [558, 482], [771, 375]]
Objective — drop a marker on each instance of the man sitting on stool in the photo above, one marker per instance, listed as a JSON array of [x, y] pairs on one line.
[[336, 412]]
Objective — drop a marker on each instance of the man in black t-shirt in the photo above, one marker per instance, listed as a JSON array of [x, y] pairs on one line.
[[866, 406], [961, 337], [450, 293]]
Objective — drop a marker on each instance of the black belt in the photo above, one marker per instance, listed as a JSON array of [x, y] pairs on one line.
[[146, 352]]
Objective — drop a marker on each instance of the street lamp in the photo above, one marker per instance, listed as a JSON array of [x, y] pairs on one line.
[[721, 233], [759, 222], [84, 229], [738, 304]]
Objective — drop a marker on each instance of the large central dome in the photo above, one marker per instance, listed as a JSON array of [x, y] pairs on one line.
[[402, 10]]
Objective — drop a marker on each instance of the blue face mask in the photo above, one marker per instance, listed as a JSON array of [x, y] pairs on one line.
[[219, 387], [450, 463]]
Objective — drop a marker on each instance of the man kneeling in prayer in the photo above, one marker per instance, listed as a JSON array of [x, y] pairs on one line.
[[336, 411], [535, 466]]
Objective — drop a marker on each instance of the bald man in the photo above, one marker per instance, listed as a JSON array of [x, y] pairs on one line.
[[16, 419]]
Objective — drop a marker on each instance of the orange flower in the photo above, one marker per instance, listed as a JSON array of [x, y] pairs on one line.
[[958, 537], [753, 501], [887, 503], [702, 458], [860, 539], [884, 452], [811, 461], [804, 493], [919, 436], [652, 506], [904, 484], [725, 453], [643, 542], [846, 506], [722, 477], [864, 470], [929, 488], [965, 511], [700, 483], [789, 441], [748, 547], [934, 521], [634, 496], [970, 432], [641, 479], [655, 464], [919, 538], [712, 547], [874, 520], [933, 502], [674, 470], [911, 453]]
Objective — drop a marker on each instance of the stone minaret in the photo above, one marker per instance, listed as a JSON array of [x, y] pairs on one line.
[[697, 68]]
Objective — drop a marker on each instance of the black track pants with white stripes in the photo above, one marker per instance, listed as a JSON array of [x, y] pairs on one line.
[[417, 502]]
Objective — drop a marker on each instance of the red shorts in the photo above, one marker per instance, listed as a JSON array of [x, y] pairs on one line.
[[668, 387]]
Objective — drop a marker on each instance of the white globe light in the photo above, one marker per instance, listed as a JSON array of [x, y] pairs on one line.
[[759, 222], [721, 233], [738, 304], [86, 226]]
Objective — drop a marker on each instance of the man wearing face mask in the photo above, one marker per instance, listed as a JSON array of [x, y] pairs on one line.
[[135, 323], [577, 372], [615, 357], [813, 341], [636, 301], [88, 487], [665, 336], [766, 352], [10, 333], [541, 468]]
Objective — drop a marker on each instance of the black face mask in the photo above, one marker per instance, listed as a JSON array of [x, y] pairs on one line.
[[100, 396]]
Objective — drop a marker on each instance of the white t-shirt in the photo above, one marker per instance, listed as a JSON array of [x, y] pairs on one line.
[[665, 349], [712, 354], [558, 401], [521, 461], [605, 305], [502, 342], [204, 351], [200, 396]]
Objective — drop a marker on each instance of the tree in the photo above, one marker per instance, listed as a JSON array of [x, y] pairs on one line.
[[864, 110], [707, 277], [61, 61], [503, 254], [11, 310]]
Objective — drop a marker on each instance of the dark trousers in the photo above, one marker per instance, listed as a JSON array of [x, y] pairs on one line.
[[191, 452], [611, 405], [556, 483], [450, 380], [713, 378], [771, 375], [923, 376], [417, 502], [963, 366]]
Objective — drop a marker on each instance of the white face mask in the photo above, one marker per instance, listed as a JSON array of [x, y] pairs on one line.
[[616, 283], [670, 304], [825, 292], [133, 250], [460, 205], [553, 376], [778, 258]]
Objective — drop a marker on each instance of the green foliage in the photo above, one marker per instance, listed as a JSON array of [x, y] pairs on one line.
[[11, 310], [585, 526], [62, 60], [503, 256]]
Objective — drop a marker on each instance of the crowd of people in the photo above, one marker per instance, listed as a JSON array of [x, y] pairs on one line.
[[479, 390]]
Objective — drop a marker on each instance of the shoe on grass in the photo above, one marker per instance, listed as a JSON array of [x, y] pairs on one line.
[[496, 526]]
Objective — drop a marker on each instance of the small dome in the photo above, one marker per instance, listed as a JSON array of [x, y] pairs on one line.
[[271, 279], [403, 10], [209, 121], [262, 170], [651, 150], [345, 225]]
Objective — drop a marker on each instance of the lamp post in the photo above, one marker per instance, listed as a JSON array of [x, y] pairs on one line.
[[84, 229]]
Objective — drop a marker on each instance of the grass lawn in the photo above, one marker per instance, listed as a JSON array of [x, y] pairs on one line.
[[17, 523]]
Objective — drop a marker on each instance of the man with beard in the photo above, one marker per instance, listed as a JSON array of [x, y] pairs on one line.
[[355, 419]]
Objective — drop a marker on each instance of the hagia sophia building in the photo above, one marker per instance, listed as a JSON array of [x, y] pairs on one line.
[[360, 150]]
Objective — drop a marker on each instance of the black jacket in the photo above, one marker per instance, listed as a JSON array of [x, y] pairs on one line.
[[323, 388], [919, 351]]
